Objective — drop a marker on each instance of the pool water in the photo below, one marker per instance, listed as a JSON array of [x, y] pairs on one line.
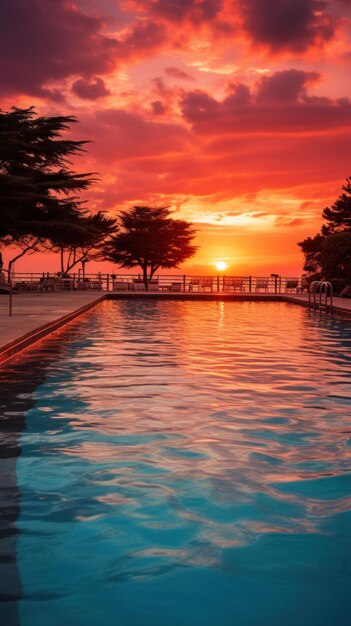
[[179, 464]]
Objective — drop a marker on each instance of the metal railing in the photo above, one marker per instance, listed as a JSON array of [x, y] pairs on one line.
[[320, 297], [173, 283]]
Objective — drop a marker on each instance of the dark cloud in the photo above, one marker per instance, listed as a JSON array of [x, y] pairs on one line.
[[42, 41], [278, 104], [287, 24], [90, 90], [157, 107], [197, 11], [45, 41], [143, 37], [199, 106], [285, 86], [174, 72], [239, 95]]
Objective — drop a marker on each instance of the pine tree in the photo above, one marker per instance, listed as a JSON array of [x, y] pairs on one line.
[[37, 186], [151, 239], [338, 216]]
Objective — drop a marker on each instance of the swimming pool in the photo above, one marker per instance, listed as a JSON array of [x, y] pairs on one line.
[[179, 464]]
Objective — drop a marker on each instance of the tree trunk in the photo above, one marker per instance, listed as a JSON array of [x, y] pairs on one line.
[[68, 265], [62, 261], [76, 261], [19, 256], [145, 277], [153, 270]]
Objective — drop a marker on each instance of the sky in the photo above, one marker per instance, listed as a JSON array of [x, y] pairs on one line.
[[235, 113]]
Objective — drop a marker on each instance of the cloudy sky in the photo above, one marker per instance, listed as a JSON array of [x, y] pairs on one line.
[[236, 113]]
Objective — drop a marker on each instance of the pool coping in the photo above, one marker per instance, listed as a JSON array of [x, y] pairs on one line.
[[291, 298], [17, 346]]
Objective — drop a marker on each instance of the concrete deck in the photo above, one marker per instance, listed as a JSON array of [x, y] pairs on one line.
[[37, 314], [342, 306]]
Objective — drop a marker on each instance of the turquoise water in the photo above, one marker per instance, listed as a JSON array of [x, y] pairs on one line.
[[180, 464]]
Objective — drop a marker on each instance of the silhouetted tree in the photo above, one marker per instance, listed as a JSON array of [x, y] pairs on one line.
[[312, 249], [338, 216], [82, 240], [327, 254], [36, 182], [151, 239], [336, 255]]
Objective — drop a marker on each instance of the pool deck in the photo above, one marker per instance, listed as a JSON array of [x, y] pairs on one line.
[[36, 314]]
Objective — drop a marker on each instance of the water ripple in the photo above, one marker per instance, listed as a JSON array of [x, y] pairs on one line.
[[177, 437]]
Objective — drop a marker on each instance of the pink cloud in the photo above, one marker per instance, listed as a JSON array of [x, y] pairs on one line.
[[121, 135]]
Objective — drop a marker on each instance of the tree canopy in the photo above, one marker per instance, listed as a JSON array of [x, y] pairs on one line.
[[38, 188], [328, 254], [82, 240], [151, 239], [336, 256], [338, 216]]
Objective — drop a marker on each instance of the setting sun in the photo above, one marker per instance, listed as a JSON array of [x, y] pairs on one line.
[[221, 265]]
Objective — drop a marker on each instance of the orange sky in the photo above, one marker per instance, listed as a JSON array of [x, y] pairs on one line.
[[237, 114]]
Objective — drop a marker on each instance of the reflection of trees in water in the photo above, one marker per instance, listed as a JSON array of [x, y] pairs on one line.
[[18, 382]]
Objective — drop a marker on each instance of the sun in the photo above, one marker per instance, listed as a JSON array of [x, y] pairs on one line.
[[221, 265]]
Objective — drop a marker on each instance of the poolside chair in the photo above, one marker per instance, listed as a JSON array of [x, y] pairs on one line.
[[233, 284], [4, 287], [175, 287], [292, 286], [27, 285], [83, 285], [138, 285], [262, 283], [201, 283], [120, 285], [153, 285], [65, 283], [50, 284]]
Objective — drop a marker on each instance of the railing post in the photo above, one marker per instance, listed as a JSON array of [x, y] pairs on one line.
[[10, 290], [217, 284], [184, 282], [250, 283], [107, 282], [320, 291]]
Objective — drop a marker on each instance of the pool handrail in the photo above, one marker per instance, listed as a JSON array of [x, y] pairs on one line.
[[318, 288]]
